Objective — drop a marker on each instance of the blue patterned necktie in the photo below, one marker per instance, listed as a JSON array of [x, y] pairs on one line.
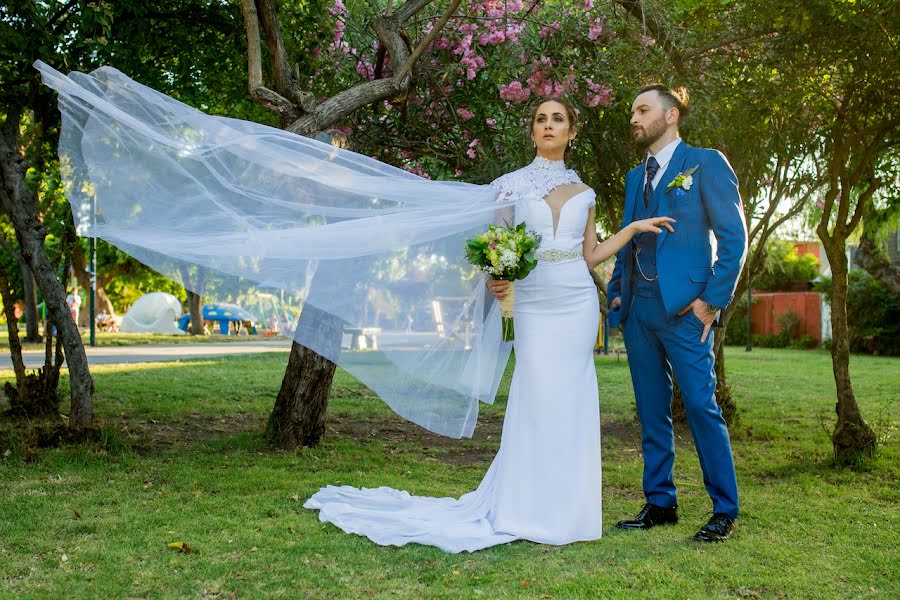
[[652, 168]]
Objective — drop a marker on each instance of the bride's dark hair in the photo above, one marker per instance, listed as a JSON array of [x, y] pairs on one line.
[[571, 114]]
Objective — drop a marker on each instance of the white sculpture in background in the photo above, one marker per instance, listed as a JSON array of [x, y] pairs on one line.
[[155, 312]]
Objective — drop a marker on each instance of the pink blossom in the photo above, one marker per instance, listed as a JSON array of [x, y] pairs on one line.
[[338, 8], [549, 29], [365, 69], [588, 4], [416, 168], [600, 94], [465, 113], [458, 173], [513, 31], [491, 122], [492, 37], [472, 145], [514, 92]]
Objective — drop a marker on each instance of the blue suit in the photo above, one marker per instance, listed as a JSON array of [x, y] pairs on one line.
[[686, 266]]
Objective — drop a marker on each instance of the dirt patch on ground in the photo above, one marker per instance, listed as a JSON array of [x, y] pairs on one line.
[[152, 436], [407, 437]]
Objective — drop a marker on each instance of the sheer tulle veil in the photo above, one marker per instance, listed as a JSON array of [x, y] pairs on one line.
[[228, 207]]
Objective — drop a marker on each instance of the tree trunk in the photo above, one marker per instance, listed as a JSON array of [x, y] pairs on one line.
[[20, 205], [298, 417], [32, 318], [724, 398], [15, 347], [299, 412], [104, 304], [195, 306], [853, 439], [871, 258]]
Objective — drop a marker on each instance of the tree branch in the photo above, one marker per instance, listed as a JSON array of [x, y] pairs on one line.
[[271, 100], [285, 84], [409, 9], [423, 45], [636, 9]]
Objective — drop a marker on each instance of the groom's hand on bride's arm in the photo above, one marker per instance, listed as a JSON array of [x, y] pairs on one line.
[[703, 314], [615, 303]]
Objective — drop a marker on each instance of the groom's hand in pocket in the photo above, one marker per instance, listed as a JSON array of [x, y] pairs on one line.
[[702, 314]]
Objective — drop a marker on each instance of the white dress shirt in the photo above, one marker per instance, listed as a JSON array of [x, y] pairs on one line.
[[662, 157]]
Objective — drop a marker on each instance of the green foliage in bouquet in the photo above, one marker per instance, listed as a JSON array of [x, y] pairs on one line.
[[505, 253]]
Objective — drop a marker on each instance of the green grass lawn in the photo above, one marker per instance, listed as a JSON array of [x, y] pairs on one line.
[[103, 338], [182, 459]]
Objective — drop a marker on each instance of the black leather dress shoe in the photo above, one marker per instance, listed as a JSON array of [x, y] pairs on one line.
[[650, 516], [718, 529]]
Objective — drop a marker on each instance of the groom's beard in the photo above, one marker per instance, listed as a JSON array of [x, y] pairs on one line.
[[644, 137]]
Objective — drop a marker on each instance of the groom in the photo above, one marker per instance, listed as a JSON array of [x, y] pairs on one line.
[[666, 291]]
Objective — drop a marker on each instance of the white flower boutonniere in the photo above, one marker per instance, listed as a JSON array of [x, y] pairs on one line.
[[683, 180]]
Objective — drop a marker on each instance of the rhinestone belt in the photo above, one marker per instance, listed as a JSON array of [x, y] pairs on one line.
[[557, 255]]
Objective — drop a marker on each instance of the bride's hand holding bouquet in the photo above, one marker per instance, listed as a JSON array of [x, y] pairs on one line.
[[505, 254]]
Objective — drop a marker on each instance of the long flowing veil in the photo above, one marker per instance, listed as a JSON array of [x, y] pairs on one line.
[[374, 252]]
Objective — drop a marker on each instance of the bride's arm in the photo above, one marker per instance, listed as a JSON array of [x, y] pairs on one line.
[[595, 251]]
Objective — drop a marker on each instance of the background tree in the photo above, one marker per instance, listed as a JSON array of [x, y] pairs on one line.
[[850, 87], [189, 49], [299, 412]]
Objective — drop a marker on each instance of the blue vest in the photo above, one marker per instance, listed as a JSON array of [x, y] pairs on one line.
[[644, 251]]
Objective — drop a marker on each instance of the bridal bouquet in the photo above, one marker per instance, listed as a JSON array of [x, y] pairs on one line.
[[505, 253]]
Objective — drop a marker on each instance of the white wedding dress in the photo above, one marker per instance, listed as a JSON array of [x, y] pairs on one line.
[[544, 485]]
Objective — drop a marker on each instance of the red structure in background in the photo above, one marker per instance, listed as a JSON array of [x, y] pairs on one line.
[[804, 248], [768, 306]]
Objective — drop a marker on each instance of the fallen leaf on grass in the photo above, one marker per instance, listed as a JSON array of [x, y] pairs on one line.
[[77, 514], [181, 547], [295, 498], [748, 593], [524, 582]]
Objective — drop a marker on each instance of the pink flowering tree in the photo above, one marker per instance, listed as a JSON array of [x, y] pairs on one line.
[[466, 116]]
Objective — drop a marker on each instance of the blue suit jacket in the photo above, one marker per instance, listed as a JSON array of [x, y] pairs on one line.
[[688, 265]]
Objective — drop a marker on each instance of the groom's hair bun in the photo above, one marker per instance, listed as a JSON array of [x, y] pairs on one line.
[[671, 98]]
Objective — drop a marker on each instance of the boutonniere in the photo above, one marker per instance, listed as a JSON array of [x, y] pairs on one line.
[[683, 181]]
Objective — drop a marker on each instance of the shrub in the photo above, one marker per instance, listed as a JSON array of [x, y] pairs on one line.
[[873, 314], [789, 321], [804, 342], [736, 332], [786, 270], [771, 340]]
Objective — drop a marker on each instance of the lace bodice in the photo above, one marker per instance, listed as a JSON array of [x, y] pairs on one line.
[[529, 188]]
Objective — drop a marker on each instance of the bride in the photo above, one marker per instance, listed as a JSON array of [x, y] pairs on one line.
[[544, 485], [247, 207]]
